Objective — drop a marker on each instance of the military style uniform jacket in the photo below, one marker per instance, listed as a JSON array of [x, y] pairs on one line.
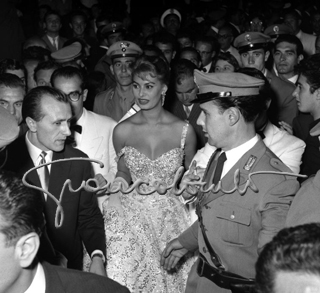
[[238, 226]]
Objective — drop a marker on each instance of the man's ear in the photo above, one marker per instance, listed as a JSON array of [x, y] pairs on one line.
[[173, 54], [266, 56], [32, 124], [111, 69], [300, 58], [26, 249], [84, 95], [233, 115], [317, 93]]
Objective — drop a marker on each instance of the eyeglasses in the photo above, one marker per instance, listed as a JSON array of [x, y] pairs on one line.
[[256, 23], [74, 96]]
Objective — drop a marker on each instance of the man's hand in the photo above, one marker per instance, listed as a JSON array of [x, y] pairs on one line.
[[97, 266], [101, 182], [172, 254], [191, 176]]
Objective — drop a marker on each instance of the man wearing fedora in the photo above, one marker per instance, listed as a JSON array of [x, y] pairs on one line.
[[251, 197]]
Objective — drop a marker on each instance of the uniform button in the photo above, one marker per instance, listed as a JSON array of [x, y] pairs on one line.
[[204, 250], [232, 216]]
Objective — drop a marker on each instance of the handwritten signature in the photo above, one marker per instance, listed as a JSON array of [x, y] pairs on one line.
[[158, 185]]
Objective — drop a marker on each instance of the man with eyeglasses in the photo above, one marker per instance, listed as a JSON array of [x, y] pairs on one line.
[[225, 39], [116, 101], [207, 47], [92, 133], [47, 112]]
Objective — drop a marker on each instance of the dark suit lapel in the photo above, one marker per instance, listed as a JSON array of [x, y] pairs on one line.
[[53, 281], [245, 166], [194, 114]]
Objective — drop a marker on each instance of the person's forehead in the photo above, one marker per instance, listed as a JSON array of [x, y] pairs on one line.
[[189, 54], [51, 17], [254, 51], [123, 60], [45, 72], [78, 18], [52, 107], [203, 45], [164, 46], [114, 35], [71, 81], [286, 46], [6, 92]]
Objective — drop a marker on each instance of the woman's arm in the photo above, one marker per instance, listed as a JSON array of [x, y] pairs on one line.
[[120, 134]]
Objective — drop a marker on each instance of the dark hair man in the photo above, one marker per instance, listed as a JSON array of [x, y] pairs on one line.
[[287, 54], [52, 24], [307, 95], [290, 263], [22, 223], [232, 227], [43, 72], [47, 112]]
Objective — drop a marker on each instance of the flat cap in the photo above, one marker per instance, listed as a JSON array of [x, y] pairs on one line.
[[67, 53], [273, 31], [250, 41], [167, 12], [225, 84], [112, 28], [9, 128], [124, 49]]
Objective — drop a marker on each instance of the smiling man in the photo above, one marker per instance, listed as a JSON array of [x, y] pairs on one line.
[[287, 54], [47, 113], [117, 101]]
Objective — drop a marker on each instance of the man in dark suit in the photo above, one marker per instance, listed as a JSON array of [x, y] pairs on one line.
[[22, 223], [47, 113], [52, 23], [186, 91], [235, 220]]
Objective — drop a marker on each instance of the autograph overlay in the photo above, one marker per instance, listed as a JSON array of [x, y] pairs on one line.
[[158, 185]]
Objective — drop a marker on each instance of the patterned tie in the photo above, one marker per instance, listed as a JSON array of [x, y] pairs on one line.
[[45, 171], [187, 110], [217, 173]]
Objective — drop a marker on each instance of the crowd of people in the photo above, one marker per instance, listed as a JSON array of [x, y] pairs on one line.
[[102, 107]]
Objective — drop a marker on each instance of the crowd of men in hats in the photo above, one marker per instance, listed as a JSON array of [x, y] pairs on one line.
[[244, 74]]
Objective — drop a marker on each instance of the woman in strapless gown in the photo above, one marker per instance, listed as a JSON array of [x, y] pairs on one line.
[[152, 144]]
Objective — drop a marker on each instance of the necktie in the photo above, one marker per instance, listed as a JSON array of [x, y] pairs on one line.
[[45, 171], [55, 43], [187, 110], [217, 173]]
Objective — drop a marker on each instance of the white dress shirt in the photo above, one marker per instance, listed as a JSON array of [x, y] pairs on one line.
[[38, 284]]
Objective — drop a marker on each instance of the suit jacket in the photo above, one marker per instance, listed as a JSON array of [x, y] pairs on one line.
[[82, 218], [61, 41], [308, 41], [238, 226], [288, 148], [177, 109], [61, 280], [96, 142], [306, 204], [286, 104]]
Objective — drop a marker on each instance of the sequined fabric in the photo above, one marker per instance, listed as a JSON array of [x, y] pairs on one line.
[[137, 235]]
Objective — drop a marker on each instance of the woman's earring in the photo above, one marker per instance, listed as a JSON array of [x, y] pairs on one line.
[[163, 96]]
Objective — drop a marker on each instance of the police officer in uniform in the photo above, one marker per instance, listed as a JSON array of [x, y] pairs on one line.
[[247, 208], [117, 101]]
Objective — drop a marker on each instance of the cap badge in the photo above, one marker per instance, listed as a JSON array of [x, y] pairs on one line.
[[124, 46], [276, 29], [114, 25], [247, 38]]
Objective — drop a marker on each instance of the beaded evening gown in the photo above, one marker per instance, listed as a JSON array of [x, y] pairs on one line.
[[137, 235]]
